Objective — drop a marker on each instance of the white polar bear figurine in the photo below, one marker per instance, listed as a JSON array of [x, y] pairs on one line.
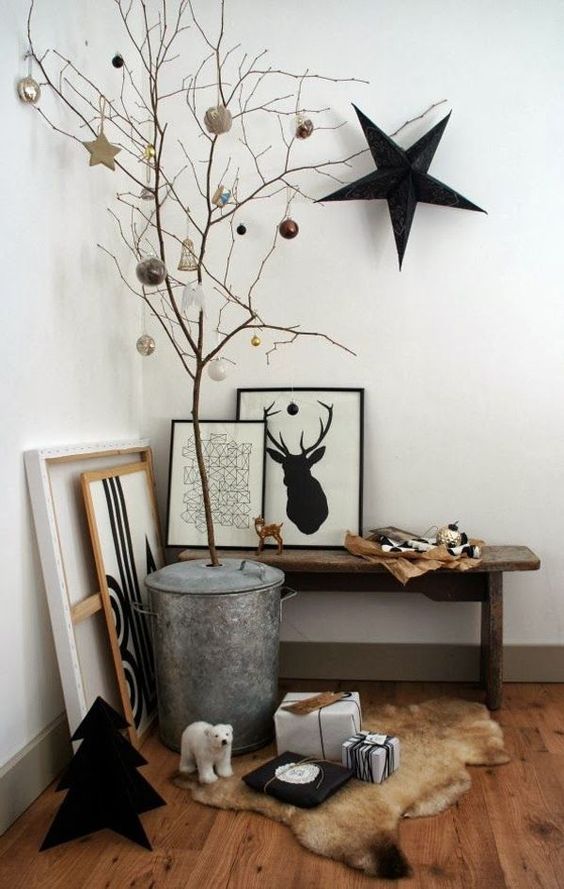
[[204, 746]]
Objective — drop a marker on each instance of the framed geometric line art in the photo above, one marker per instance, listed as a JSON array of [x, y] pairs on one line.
[[234, 455], [313, 476], [124, 529], [84, 656]]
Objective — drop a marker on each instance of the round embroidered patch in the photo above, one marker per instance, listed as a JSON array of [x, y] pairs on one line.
[[297, 773]]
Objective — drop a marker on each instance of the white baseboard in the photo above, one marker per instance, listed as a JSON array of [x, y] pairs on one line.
[[30, 771], [415, 662]]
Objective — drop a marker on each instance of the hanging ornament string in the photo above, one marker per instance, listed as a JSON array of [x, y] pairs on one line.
[[29, 90], [102, 106], [289, 228], [145, 345], [188, 260]]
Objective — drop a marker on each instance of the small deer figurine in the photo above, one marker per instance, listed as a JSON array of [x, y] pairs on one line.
[[264, 531]]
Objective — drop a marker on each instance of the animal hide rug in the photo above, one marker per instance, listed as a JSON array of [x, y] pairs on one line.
[[359, 825]]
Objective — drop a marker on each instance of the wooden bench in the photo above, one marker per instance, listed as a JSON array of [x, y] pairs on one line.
[[314, 569]]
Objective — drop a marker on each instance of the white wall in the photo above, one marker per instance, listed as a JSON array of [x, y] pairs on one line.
[[70, 370], [461, 353]]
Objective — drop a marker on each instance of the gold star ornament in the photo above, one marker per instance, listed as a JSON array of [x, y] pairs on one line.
[[102, 151]]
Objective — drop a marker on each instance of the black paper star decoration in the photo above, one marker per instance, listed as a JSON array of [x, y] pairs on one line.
[[401, 178]]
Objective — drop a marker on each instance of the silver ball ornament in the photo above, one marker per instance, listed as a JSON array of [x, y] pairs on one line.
[[29, 90], [151, 272], [217, 369], [145, 345], [449, 535], [218, 120]]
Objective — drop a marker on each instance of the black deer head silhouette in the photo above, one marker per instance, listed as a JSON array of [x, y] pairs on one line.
[[307, 504]]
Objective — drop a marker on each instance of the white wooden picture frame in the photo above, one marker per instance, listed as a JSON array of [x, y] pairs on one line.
[[81, 640]]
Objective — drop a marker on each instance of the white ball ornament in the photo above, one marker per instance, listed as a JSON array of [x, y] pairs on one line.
[[217, 369]]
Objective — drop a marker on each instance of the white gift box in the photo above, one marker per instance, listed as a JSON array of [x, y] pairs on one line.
[[320, 733], [372, 757]]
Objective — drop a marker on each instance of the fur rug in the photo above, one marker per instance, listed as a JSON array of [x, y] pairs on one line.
[[359, 825]]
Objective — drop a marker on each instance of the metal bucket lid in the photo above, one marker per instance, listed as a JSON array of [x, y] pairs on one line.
[[197, 578]]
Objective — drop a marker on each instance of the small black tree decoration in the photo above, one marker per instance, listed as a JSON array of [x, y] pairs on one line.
[[104, 787]]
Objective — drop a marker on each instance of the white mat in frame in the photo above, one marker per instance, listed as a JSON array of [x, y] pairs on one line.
[[124, 527], [314, 467], [81, 639], [234, 453]]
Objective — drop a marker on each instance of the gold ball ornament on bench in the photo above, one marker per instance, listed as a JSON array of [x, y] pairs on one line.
[[449, 535]]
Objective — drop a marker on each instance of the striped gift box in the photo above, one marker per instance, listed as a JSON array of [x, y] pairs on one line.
[[372, 757]]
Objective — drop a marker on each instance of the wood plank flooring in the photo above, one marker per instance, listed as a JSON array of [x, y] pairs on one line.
[[506, 833]]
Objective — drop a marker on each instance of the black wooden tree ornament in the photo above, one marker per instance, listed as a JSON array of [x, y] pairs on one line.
[[401, 178], [104, 787]]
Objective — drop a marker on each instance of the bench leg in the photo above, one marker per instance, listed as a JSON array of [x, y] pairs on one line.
[[491, 656]]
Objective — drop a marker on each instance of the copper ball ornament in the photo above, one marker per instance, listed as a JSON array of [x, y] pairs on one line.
[[151, 271], [145, 345], [29, 90], [288, 228], [304, 129], [449, 535], [293, 409], [117, 60], [255, 340]]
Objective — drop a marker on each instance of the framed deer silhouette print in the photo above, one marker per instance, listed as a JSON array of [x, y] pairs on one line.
[[314, 457]]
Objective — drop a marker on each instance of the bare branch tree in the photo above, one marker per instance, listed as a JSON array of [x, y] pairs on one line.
[[255, 94]]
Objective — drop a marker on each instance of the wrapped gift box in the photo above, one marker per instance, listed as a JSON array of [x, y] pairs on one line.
[[372, 757], [298, 781], [320, 733]]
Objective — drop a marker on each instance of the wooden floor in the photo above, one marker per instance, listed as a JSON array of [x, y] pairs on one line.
[[506, 833]]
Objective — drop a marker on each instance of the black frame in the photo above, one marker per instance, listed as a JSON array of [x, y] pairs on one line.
[[290, 390], [205, 546]]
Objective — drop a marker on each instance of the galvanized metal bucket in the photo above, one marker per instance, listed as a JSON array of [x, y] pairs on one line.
[[216, 634]]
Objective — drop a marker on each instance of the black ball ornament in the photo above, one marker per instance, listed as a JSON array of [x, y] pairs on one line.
[[117, 60], [293, 409], [241, 229]]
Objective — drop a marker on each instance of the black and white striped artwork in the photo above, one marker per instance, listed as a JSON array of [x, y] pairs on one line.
[[127, 548]]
